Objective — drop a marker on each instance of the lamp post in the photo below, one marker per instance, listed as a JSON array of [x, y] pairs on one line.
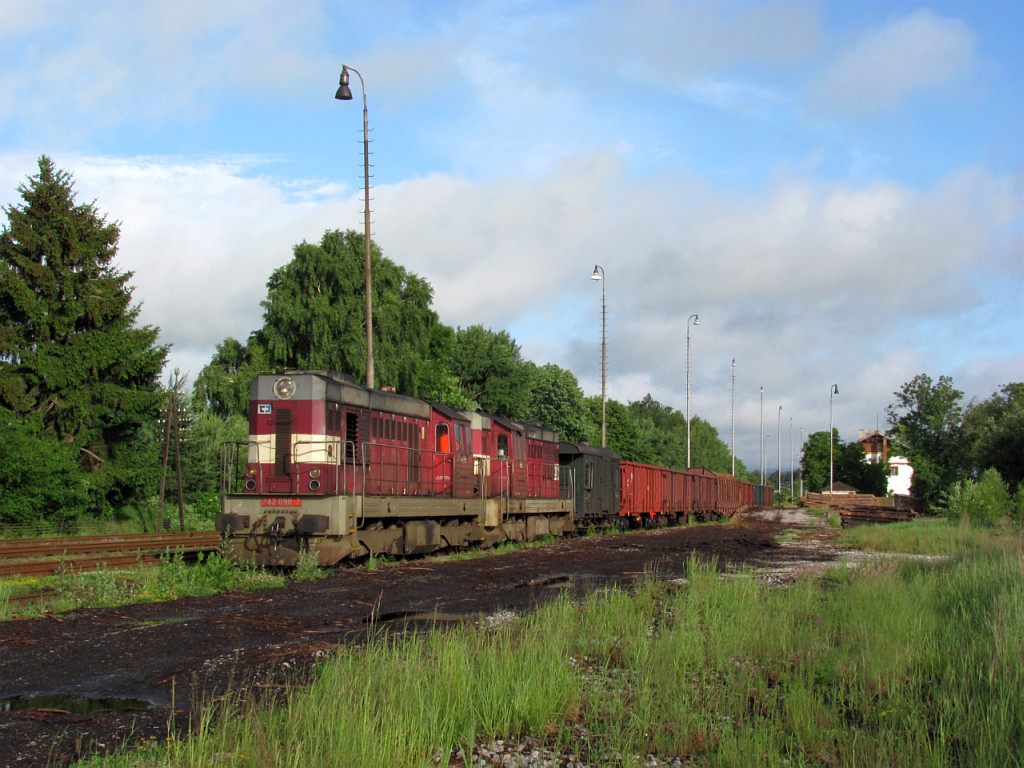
[[779, 433], [344, 93], [791, 457], [696, 321], [734, 417], [762, 435], [801, 462], [833, 391], [599, 275]]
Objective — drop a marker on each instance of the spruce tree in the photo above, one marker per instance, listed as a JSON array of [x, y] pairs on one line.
[[73, 363]]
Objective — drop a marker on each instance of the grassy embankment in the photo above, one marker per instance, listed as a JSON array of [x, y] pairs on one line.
[[900, 662]]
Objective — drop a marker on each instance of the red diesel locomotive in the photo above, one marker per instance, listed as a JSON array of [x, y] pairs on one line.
[[357, 471]]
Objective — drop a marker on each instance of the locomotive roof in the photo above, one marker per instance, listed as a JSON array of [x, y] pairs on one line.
[[339, 388], [584, 448], [449, 413], [537, 431]]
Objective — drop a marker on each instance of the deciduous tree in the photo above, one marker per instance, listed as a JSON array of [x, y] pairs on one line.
[[995, 433], [491, 371], [315, 313], [437, 383], [926, 424], [557, 401], [623, 434], [222, 387], [814, 462]]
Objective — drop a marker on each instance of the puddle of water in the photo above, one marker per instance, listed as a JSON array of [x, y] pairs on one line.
[[75, 705], [561, 580], [418, 616], [161, 622]]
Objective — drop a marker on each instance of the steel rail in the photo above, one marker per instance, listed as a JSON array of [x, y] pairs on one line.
[[43, 557], [105, 543], [51, 565]]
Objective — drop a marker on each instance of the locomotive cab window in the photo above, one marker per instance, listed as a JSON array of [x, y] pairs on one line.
[[442, 443], [333, 418], [502, 446]]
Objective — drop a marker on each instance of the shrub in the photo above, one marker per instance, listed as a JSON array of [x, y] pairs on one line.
[[985, 502], [990, 503]]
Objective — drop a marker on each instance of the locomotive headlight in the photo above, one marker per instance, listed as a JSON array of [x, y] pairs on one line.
[[314, 472], [284, 388], [250, 471]]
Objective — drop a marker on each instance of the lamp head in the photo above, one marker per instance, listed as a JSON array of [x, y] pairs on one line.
[[344, 93], [696, 320], [597, 273]]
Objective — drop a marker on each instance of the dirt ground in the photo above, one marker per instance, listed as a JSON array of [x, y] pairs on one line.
[[155, 660]]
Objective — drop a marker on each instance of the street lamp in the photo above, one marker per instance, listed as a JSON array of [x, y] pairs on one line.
[[344, 93], [833, 391], [791, 457], [801, 462], [734, 417], [762, 435], [599, 275], [779, 433], [696, 321]]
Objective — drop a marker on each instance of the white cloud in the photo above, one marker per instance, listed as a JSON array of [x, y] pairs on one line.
[[91, 65], [671, 41], [886, 65]]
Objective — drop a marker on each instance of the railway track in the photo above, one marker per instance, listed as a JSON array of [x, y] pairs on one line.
[[43, 557]]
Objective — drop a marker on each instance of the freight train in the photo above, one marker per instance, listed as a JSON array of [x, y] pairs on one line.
[[344, 471]]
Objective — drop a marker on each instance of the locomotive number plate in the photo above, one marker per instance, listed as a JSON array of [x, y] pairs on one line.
[[280, 502]]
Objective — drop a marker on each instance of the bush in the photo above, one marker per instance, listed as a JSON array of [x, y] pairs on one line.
[[991, 502], [985, 502]]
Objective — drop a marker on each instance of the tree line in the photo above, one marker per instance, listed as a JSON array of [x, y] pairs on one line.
[[83, 410]]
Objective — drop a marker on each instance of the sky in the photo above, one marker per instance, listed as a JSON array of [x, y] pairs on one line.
[[835, 188]]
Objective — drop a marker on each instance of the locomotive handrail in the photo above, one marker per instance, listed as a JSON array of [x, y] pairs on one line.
[[416, 471], [338, 460], [229, 464], [483, 468]]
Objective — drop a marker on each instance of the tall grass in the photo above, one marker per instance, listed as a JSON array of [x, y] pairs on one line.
[[903, 663], [402, 702], [933, 536]]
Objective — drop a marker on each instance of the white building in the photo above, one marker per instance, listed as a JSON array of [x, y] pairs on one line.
[[876, 449], [900, 476]]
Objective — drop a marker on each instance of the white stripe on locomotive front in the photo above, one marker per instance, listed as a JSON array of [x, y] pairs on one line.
[[306, 449]]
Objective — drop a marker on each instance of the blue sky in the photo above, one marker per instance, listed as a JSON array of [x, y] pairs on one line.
[[836, 188]]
